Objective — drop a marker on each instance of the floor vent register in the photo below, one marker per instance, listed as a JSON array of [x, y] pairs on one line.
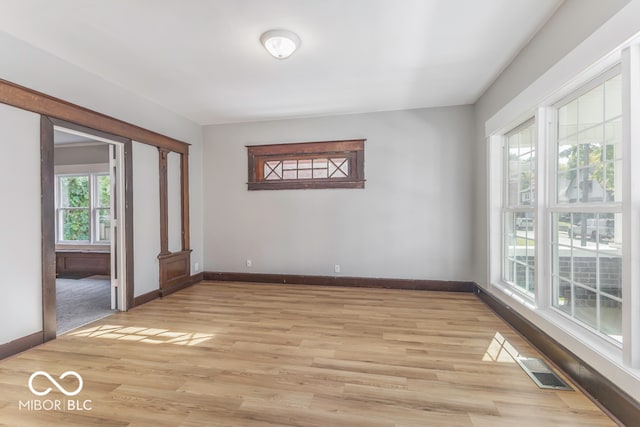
[[542, 374]]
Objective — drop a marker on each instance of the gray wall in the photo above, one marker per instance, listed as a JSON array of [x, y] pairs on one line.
[[411, 221], [20, 250], [146, 218], [83, 155]]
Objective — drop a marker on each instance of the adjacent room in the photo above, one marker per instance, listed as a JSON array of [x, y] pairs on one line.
[[83, 204], [322, 213]]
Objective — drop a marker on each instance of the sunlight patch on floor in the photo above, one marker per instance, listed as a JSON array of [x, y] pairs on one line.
[[142, 334], [500, 350]]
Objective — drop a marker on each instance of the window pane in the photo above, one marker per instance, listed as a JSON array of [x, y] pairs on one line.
[[611, 317], [272, 170], [75, 225], [320, 163], [585, 302], [589, 137], [304, 164], [320, 173], [612, 98], [587, 268], [610, 274], [104, 191], [304, 174], [104, 225], [562, 295], [519, 247], [521, 167], [74, 191], [290, 164], [338, 168]]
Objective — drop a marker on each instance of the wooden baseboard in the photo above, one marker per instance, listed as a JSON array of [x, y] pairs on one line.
[[145, 298], [611, 397], [359, 282], [21, 344], [192, 280]]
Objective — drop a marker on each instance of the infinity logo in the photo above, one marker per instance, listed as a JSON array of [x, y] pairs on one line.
[[55, 383]]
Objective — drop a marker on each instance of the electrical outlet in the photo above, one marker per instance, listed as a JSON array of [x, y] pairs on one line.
[[336, 268], [249, 263], [196, 267]]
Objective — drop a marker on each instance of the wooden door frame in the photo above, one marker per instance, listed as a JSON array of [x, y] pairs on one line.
[[47, 149]]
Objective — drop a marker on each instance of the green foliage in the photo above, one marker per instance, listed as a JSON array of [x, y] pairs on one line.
[[104, 191], [75, 194], [76, 225]]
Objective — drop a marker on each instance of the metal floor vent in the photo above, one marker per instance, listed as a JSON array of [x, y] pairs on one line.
[[542, 374]]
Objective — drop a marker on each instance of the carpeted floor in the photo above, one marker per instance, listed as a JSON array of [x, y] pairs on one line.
[[81, 301]]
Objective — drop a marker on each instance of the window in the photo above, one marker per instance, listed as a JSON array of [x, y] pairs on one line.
[[83, 208], [330, 164], [586, 242], [518, 211]]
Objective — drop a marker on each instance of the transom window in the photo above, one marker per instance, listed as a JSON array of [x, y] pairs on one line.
[[330, 164], [323, 168]]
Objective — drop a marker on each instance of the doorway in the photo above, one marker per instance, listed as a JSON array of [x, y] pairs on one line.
[[87, 243]]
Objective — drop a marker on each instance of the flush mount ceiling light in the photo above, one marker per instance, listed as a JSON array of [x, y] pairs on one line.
[[280, 43]]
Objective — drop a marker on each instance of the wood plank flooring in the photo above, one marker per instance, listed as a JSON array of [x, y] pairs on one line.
[[238, 354]]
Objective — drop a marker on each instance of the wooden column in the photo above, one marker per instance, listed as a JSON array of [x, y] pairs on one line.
[[48, 229], [175, 267]]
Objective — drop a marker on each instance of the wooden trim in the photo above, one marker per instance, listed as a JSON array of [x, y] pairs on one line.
[[128, 222], [304, 185], [184, 198], [145, 298], [37, 102], [21, 344], [612, 398], [259, 155], [164, 202], [175, 268], [308, 147], [192, 280], [48, 229], [83, 262], [84, 129], [359, 282]]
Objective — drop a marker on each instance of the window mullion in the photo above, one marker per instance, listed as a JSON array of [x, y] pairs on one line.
[[544, 141]]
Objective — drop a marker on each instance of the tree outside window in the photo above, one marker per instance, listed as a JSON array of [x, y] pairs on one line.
[[83, 208]]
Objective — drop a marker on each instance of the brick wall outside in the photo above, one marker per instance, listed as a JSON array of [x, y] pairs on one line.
[[585, 273]]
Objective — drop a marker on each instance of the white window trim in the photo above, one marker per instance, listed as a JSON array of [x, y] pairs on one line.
[[93, 242]]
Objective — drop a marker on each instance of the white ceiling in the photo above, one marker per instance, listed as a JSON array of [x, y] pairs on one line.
[[203, 60]]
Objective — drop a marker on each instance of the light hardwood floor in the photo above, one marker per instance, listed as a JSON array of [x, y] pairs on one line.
[[236, 354]]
